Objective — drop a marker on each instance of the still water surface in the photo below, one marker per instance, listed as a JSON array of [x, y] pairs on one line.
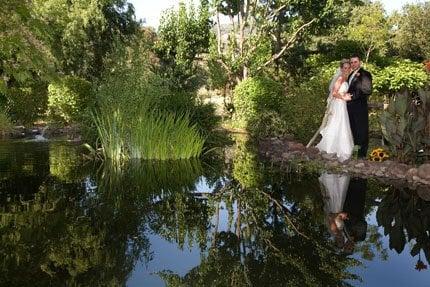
[[64, 222]]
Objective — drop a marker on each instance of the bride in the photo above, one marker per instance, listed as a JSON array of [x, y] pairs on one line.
[[334, 188], [335, 129]]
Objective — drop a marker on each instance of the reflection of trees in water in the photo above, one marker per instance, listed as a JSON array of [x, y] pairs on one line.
[[269, 241], [405, 218], [50, 240], [165, 191], [68, 233], [275, 234], [22, 170]]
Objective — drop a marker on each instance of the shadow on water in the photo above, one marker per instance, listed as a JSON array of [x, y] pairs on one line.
[[63, 223]]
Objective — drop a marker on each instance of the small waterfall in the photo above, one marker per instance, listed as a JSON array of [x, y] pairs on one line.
[[41, 137]]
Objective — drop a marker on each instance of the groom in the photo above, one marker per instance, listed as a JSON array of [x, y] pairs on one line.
[[360, 88]]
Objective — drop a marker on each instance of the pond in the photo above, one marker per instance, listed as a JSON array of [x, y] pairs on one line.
[[215, 222]]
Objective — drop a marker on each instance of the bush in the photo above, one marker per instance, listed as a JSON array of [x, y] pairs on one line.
[[306, 103], [26, 103], [305, 107], [5, 124], [253, 98], [400, 75], [203, 115], [69, 98]]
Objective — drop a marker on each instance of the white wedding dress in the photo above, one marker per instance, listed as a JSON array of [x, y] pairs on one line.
[[334, 188], [336, 134]]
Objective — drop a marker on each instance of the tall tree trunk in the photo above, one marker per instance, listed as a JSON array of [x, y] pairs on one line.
[[218, 26]]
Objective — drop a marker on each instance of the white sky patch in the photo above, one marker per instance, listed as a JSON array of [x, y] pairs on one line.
[[150, 10]]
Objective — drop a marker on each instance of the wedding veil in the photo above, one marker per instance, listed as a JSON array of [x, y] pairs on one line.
[[329, 99], [334, 79]]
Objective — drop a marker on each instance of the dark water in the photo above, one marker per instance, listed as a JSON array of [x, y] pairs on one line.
[[200, 223]]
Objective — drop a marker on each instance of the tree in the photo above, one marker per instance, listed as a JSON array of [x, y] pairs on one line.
[[413, 32], [182, 36], [369, 27], [83, 32], [262, 32], [24, 52]]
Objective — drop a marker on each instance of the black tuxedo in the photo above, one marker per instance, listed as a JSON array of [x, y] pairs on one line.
[[360, 88], [354, 206]]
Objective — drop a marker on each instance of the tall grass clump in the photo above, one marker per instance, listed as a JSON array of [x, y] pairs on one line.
[[111, 132], [161, 136], [164, 136]]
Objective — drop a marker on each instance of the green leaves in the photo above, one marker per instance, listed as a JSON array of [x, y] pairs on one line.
[[402, 74], [182, 35], [68, 98], [369, 27], [253, 98], [412, 33], [23, 43]]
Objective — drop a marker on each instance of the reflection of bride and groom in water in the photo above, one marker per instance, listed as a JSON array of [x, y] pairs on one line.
[[344, 207]]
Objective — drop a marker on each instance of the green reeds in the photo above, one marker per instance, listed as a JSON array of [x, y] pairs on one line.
[[111, 133], [160, 136]]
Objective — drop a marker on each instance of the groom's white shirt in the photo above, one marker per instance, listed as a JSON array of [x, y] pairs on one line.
[[353, 76]]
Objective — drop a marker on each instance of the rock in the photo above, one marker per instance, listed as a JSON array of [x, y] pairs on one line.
[[379, 173], [399, 170], [424, 192], [388, 162], [276, 141], [293, 146], [411, 173], [424, 171], [415, 178], [329, 156], [360, 165], [288, 137], [334, 164], [312, 150], [313, 155]]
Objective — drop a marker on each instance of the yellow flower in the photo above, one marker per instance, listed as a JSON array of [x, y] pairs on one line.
[[378, 154]]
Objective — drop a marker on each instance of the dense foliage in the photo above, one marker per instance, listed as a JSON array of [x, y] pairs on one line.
[[182, 36], [257, 102], [400, 75], [69, 98], [412, 31]]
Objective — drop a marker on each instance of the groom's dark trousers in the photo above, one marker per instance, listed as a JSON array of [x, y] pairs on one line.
[[360, 89]]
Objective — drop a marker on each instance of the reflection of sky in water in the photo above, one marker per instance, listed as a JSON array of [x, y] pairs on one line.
[[167, 256], [398, 270]]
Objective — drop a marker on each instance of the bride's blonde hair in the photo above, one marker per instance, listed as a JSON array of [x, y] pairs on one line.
[[343, 62]]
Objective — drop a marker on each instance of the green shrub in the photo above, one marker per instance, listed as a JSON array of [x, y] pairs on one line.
[[26, 103], [306, 103], [253, 98], [69, 98], [5, 123], [400, 75], [203, 116]]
